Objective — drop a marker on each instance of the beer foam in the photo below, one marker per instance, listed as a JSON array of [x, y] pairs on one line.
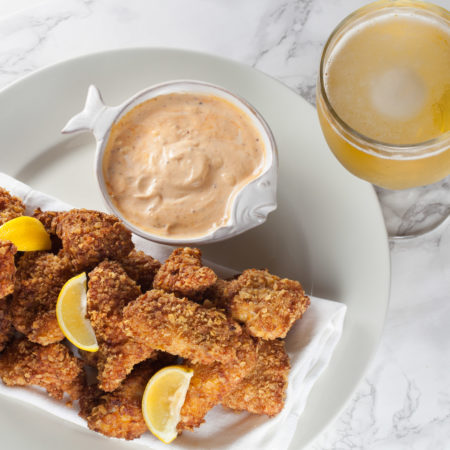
[[398, 93]]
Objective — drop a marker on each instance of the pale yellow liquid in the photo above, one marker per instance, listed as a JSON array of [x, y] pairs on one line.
[[389, 79]]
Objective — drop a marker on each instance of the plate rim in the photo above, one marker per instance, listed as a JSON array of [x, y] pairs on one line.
[[386, 250]]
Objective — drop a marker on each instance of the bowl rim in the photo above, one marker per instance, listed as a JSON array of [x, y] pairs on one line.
[[231, 228]]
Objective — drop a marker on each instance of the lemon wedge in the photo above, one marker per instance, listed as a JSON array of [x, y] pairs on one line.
[[162, 401], [71, 314], [26, 233]]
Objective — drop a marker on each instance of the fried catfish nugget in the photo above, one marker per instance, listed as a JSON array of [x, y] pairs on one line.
[[141, 268], [110, 289], [47, 219], [10, 206], [52, 367], [39, 279], [6, 328], [184, 274], [181, 327], [89, 237], [119, 414], [265, 303], [210, 383], [7, 268], [263, 390]]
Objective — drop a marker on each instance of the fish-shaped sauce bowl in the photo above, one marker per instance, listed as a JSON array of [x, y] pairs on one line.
[[246, 208]]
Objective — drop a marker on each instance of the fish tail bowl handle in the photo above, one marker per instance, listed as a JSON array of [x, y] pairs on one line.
[[95, 117]]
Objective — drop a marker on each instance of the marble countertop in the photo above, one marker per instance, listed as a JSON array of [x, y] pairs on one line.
[[404, 400]]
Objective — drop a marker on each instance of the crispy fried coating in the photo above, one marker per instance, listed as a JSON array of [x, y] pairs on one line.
[[89, 237], [263, 390], [267, 304], [109, 290], [119, 414], [7, 268], [47, 219], [10, 206], [141, 268], [184, 274], [181, 327], [6, 328], [52, 367], [39, 279], [210, 383], [218, 296]]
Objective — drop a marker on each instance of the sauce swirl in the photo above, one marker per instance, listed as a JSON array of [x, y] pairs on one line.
[[174, 163]]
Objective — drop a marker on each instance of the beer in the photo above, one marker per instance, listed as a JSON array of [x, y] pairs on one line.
[[384, 93]]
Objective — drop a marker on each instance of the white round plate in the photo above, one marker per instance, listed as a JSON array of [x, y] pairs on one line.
[[328, 231]]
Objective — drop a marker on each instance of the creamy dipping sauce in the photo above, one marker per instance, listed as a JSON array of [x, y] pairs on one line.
[[174, 163]]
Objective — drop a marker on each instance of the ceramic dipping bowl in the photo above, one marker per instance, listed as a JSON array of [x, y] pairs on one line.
[[250, 206]]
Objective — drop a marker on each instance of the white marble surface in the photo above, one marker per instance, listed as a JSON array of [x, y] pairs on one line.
[[404, 400]]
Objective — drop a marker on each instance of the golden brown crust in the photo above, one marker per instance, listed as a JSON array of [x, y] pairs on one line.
[[110, 289], [7, 268], [116, 414], [263, 390], [47, 219], [218, 296], [267, 304], [210, 383], [181, 327], [52, 367], [141, 268], [6, 328], [184, 274], [119, 414], [10, 206], [39, 279], [89, 237]]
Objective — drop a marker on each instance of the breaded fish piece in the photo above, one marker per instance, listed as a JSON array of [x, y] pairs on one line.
[[119, 414], [110, 289], [52, 367], [47, 219], [39, 279], [89, 237], [184, 274], [263, 390], [6, 328], [181, 327], [265, 303], [141, 268], [10, 206], [7, 268], [218, 296], [210, 383]]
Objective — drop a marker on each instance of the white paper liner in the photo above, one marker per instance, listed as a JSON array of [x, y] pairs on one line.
[[310, 345]]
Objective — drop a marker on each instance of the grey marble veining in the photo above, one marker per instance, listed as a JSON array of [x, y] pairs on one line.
[[404, 400]]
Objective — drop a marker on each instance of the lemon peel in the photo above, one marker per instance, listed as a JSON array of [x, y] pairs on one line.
[[26, 233], [162, 401], [71, 314]]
